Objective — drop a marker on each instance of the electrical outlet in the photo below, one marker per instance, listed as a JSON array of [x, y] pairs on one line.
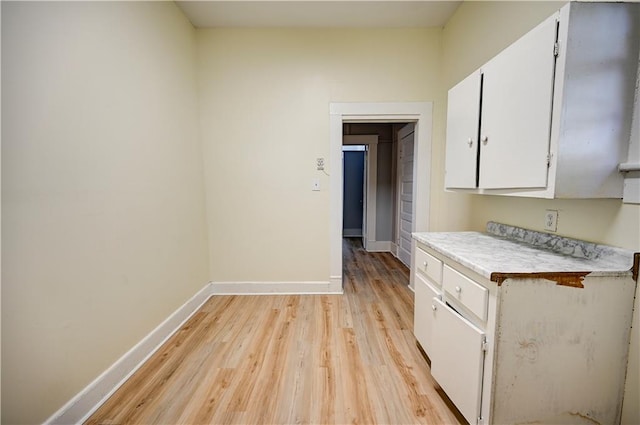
[[315, 185], [551, 220], [320, 164]]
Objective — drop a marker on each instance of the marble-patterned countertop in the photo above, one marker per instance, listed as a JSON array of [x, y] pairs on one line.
[[509, 250]]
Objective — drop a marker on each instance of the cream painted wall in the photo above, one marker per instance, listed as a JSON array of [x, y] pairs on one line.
[[104, 232], [264, 119], [477, 32], [104, 229]]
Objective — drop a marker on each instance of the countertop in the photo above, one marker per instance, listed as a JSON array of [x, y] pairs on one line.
[[509, 252]]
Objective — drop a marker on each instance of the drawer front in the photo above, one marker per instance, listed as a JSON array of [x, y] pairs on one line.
[[429, 265], [457, 360], [423, 312], [468, 293]]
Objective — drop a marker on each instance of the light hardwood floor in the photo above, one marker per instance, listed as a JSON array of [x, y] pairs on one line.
[[321, 359]]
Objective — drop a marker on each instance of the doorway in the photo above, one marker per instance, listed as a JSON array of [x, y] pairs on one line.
[[419, 113], [370, 183], [354, 184]]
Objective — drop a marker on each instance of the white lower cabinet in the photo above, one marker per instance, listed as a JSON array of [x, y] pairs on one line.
[[530, 349], [450, 324], [457, 358]]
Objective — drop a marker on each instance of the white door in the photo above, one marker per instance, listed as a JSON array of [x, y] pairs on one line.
[[405, 192], [457, 359], [423, 314], [517, 96], [463, 119]]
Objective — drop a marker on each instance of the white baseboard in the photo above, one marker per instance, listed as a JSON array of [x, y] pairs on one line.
[[351, 233], [378, 246], [87, 401], [334, 286]]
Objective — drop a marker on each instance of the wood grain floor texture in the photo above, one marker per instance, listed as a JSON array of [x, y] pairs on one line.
[[292, 359]]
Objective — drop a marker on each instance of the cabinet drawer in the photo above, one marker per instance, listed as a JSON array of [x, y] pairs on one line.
[[468, 293], [429, 265], [423, 312]]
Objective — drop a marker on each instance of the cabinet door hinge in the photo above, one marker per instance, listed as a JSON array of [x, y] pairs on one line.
[[549, 160], [556, 49], [484, 344], [480, 421]]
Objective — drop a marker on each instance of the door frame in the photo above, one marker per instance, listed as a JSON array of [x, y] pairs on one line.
[[339, 113], [371, 182]]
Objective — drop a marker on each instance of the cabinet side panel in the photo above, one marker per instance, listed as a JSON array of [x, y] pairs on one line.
[[562, 350], [601, 63]]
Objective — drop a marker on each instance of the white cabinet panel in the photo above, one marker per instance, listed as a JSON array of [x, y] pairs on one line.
[[463, 112], [423, 313], [516, 112], [499, 117], [457, 359], [601, 57]]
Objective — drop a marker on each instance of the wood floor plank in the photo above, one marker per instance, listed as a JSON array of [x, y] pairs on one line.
[[321, 359]]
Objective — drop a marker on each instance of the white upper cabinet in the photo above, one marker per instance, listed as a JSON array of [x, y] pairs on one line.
[[463, 115], [550, 115], [517, 91]]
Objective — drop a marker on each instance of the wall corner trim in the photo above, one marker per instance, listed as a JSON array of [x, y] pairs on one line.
[[87, 401]]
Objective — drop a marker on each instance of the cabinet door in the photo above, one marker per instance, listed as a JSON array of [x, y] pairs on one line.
[[423, 313], [457, 359], [463, 114], [516, 112]]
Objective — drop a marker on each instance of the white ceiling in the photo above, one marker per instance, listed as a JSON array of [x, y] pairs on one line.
[[325, 13]]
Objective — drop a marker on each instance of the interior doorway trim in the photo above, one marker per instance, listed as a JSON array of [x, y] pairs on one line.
[[340, 113]]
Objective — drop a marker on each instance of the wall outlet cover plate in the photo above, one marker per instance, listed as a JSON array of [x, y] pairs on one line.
[[551, 220]]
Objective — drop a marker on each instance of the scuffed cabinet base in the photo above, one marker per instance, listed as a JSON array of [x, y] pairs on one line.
[[561, 352]]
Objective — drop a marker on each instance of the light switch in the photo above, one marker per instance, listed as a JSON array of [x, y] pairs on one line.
[[315, 184]]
